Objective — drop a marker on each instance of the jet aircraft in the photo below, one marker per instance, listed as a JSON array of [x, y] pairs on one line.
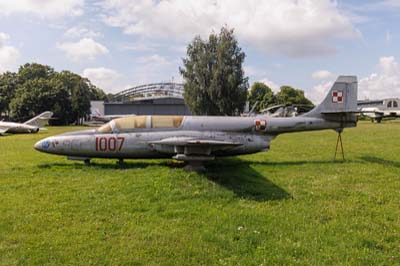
[[379, 109], [195, 139], [287, 110], [31, 126], [98, 117]]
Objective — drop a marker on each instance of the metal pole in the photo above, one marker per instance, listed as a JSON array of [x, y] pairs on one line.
[[339, 139]]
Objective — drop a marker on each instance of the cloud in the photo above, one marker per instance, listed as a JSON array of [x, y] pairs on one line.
[[295, 28], [319, 91], [388, 36], [141, 47], [52, 9], [3, 38], [275, 87], [9, 55], [147, 69], [383, 84], [252, 71], [386, 5], [322, 74], [154, 59], [104, 78], [391, 3], [155, 68], [86, 48], [79, 32]]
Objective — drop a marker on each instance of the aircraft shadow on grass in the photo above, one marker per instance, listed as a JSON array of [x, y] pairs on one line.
[[377, 160], [239, 177], [233, 174]]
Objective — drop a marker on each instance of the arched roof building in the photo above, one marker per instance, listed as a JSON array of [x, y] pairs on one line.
[[149, 99]]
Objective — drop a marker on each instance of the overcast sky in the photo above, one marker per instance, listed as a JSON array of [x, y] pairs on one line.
[[121, 43]]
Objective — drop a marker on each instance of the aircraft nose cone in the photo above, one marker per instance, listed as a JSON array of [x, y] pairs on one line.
[[42, 145]]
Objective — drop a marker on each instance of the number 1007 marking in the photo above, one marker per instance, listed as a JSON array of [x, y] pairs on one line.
[[109, 144]]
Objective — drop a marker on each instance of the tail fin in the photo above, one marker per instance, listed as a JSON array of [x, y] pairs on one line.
[[40, 120], [96, 112], [341, 100]]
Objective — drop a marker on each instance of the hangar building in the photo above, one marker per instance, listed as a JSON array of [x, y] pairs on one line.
[[148, 99]]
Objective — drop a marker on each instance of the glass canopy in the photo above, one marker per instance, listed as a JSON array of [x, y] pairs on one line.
[[140, 122]]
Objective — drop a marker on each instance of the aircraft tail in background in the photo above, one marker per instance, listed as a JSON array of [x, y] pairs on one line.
[[40, 120]]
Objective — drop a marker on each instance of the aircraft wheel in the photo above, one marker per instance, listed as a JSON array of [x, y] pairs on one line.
[[87, 162]]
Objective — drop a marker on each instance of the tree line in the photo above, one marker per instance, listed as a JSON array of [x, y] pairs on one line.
[[261, 96], [36, 88]]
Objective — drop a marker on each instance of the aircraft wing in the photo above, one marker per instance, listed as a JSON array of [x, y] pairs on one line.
[[188, 148], [175, 141]]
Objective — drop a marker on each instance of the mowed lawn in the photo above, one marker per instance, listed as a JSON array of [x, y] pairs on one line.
[[291, 206]]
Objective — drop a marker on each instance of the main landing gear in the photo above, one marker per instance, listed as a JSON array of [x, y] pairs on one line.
[[194, 163]]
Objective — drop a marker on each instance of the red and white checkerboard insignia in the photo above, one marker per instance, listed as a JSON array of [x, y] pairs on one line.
[[337, 96], [261, 124]]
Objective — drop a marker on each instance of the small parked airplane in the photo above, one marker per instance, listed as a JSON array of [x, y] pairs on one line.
[[98, 117], [379, 109], [199, 138], [31, 126], [287, 110]]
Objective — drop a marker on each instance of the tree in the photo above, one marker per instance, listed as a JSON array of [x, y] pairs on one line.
[[96, 94], [289, 95], [31, 98], [213, 74], [260, 94], [8, 86], [79, 93], [39, 88], [32, 71]]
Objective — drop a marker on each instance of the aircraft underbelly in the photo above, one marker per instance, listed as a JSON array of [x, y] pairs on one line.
[[142, 145], [17, 130]]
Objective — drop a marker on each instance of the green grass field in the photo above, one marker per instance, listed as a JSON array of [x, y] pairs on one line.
[[292, 205]]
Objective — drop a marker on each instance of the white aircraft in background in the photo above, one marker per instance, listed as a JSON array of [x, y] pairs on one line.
[[98, 117], [31, 126], [379, 109]]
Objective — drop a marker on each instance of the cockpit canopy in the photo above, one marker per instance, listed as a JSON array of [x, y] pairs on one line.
[[133, 123]]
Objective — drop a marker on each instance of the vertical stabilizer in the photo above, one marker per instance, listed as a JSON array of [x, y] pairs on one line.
[[40, 120], [341, 99]]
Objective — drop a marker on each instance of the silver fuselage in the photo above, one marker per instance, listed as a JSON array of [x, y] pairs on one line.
[[148, 142], [13, 127]]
